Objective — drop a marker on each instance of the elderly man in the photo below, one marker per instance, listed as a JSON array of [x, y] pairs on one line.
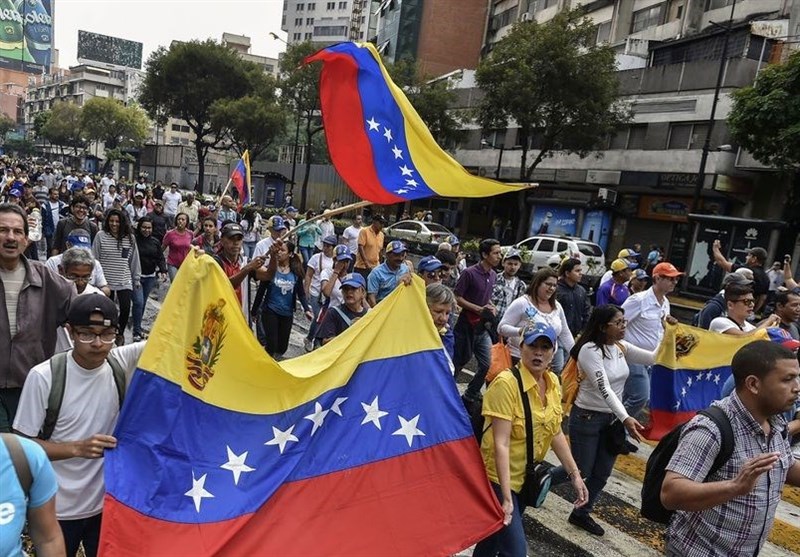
[[192, 208], [35, 305], [227, 212]]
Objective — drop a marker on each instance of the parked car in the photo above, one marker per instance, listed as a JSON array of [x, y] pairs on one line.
[[540, 250], [423, 237]]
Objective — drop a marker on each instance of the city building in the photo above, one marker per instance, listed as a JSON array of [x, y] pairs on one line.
[[425, 33], [241, 44], [325, 22], [641, 187]]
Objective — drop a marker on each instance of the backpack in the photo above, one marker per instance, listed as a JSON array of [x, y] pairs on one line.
[[58, 370], [475, 412], [19, 461], [656, 469], [571, 377]]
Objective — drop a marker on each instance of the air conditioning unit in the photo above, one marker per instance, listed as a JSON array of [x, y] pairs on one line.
[[607, 196], [526, 17]]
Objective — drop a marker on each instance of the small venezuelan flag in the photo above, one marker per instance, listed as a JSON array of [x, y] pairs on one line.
[[691, 367], [378, 143], [360, 448], [240, 178]]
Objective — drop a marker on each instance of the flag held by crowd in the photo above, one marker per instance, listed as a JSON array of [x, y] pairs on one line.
[[378, 143], [359, 448], [691, 367], [240, 179]]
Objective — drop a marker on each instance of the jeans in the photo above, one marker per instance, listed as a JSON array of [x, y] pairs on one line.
[[509, 541], [249, 248], [587, 442], [86, 530], [140, 296], [277, 329], [172, 271], [315, 304], [637, 389], [558, 361], [123, 299], [306, 252], [469, 341], [9, 401]]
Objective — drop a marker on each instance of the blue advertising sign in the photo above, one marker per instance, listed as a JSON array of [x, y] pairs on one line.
[[26, 35], [597, 228], [547, 219]]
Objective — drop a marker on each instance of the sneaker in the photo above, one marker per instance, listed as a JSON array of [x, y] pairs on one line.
[[137, 338], [630, 447], [586, 522], [308, 344]]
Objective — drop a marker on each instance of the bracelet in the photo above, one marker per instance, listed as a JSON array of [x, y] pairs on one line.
[[576, 471]]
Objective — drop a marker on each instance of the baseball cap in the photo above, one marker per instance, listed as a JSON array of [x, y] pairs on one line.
[[453, 240], [82, 308], [512, 253], [277, 223], [138, 194], [353, 280], [782, 337], [395, 246], [538, 330], [232, 229], [640, 274], [627, 252], [737, 278], [380, 218], [666, 269], [79, 238], [758, 253], [428, 264], [291, 209], [342, 252], [330, 240], [17, 190], [620, 265]]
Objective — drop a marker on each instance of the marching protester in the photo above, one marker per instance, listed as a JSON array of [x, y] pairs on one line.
[[598, 420], [236, 265], [370, 244], [731, 511], [79, 211], [384, 278], [77, 265], [755, 260], [338, 318], [430, 269], [207, 239], [79, 238], [330, 280], [76, 437], [315, 266], [191, 207], [307, 233], [503, 444], [572, 296], [441, 304], [508, 287], [251, 225], [740, 301], [177, 242], [716, 306], [151, 259], [160, 220], [614, 290]]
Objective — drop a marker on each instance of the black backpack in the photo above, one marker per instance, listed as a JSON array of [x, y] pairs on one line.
[[656, 469]]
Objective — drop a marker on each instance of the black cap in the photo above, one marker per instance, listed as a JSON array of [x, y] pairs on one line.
[[83, 310], [232, 229]]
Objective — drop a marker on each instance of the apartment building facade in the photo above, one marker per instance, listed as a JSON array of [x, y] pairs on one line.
[[321, 21]]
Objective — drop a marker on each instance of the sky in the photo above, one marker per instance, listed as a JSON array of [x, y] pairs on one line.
[[158, 22]]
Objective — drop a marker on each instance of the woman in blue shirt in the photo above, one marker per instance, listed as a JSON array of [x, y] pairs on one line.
[[307, 234], [284, 287]]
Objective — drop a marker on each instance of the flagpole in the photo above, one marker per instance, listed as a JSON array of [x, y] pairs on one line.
[[329, 213]]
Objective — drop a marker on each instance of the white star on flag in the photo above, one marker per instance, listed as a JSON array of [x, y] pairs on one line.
[[317, 417], [411, 182], [373, 413], [689, 382], [716, 379], [373, 125], [335, 407], [677, 405], [708, 376], [398, 153], [406, 171], [236, 465], [683, 392], [401, 191], [198, 491], [387, 134], [408, 428], [282, 437]]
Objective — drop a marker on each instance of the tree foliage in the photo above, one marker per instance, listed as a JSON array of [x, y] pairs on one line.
[[556, 85], [433, 99], [186, 80], [6, 125], [113, 123], [64, 127], [255, 121], [39, 122]]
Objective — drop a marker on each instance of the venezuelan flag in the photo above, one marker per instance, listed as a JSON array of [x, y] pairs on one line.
[[691, 367], [240, 178], [378, 143], [359, 448]]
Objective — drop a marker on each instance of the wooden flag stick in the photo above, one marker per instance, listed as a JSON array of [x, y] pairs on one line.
[[329, 213]]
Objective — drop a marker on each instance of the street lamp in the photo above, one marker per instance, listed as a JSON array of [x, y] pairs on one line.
[[502, 148], [701, 173], [297, 128]]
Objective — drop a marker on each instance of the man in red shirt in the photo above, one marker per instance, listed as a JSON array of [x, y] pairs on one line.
[[234, 263]]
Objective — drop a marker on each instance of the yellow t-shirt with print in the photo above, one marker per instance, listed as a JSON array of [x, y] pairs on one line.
[[502, 400]]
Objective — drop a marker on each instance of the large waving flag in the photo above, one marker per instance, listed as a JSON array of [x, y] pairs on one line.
[[359, 448], [240, 178], [691, 366], [378, 143]]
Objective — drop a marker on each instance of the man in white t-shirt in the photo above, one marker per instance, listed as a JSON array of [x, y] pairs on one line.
[[330, 278], [647, 312], [107, 181], [87, 417], [740, 301], [312, 282], [350, 233], [172, 199]]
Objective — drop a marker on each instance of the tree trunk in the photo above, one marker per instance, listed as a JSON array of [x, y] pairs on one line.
[[522, 203], [201, 165]]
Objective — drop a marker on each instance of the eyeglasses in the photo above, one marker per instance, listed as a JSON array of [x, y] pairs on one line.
[[76, 278], [619, 322], [87, 337], [80, 208], [746, 301]]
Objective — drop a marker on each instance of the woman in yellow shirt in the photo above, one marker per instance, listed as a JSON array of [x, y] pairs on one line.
[[503, 445]]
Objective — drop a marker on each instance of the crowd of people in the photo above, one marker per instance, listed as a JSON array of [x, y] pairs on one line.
[[80, 256]]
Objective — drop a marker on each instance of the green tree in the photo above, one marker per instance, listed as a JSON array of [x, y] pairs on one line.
[[252, 122], [185, 81], [116, 125], [64, 127], [6, 125], [433, 99], [557, 85], [39, 121], [300, 91], [22, 147]]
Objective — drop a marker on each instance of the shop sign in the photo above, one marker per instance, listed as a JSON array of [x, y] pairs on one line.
[[549, 219], [672, 209], [677, 179]]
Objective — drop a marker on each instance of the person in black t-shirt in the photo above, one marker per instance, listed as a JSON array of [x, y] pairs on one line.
[[755, 262], [339, 318]]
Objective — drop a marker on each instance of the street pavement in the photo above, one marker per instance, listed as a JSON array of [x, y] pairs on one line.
[[617, 510]]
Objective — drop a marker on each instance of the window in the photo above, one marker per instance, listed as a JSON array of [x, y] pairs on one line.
[[176, 127], [269, 68], [309, 21], [717, 4], [529, 244], [330, 31], [618, 140], [675, 10], [648, 17], [546, 245], [342, 5], [603, 32], [307, 37], [592, 250], [301, 7], [562, 247], [331, 6], [687, 136], [312, 6], [636, 136], [296, 36], [298, 21]]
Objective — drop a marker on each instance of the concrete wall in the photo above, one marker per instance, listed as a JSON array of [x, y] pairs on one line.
[[445, 45]]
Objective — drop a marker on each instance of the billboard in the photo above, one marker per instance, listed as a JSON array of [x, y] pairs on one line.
[[26, 35], [109, 50]]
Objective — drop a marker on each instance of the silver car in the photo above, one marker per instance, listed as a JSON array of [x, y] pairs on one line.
[[414, 231]]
